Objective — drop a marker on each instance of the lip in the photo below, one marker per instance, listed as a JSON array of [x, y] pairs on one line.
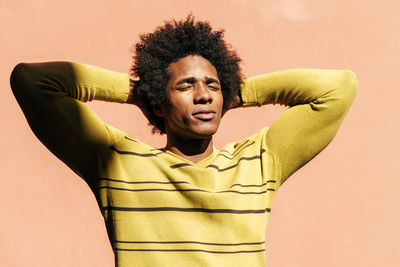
[[204, 114]]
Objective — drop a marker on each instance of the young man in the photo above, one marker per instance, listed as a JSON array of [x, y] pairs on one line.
[[187, 204]]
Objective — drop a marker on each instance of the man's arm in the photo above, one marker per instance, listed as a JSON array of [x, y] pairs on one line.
[[318, 100], [51, 94]]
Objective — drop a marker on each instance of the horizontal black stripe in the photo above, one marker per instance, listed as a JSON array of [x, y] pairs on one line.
[[189, 242], [216, 167], [143, 182], [152, 209], [193, 250], [180, 165], [254, 185], [184, 190], [235, 153], [234, 165], [134, 153], [178, 182]]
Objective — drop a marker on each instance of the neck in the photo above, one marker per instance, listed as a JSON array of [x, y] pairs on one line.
[[194, 150]]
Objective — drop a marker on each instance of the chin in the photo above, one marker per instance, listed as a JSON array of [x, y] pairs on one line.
[[205, 132], [196, 131]]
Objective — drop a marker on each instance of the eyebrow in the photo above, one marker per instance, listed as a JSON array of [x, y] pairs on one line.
[[192, 80], [211, 80], [187, 80]]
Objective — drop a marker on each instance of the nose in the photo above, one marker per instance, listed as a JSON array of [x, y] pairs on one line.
[[202, 94]]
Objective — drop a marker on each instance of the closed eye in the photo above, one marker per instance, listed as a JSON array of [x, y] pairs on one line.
[[214, 87], [212, 83], [182, 88], [187, 83]]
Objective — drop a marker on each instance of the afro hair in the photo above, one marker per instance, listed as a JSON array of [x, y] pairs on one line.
[[167, 44]]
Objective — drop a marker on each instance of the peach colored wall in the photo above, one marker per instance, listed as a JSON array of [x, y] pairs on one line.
[[340, 210]]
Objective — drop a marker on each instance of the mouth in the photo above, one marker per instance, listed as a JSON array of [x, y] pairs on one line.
[[204, 115]]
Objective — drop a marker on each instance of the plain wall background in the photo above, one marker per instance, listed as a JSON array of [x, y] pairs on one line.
[[342, 209]]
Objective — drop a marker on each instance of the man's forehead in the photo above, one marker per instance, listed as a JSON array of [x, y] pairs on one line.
[[192, 66]]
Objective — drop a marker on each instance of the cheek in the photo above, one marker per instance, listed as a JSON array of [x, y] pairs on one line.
[[177, 113], [221, 101], [185, 120]]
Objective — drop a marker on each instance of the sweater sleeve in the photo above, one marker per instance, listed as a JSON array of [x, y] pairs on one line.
[[51, 94], [318, 101]]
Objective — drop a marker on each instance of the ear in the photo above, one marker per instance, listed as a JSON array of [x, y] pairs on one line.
[[158, 110]]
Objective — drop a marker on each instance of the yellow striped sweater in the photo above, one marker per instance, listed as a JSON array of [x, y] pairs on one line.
[[161, 209]]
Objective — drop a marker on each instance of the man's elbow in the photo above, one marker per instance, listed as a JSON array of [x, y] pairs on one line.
[[18, 77], [350, 84], [346, 92]]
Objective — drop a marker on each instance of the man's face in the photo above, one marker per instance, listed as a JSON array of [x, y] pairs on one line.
[[194, 99]]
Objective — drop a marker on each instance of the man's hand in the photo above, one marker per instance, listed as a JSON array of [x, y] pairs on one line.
[[132, 97], [236, 102], [137, 100]]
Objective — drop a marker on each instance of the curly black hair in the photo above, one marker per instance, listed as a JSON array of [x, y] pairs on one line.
[[167, 44]]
